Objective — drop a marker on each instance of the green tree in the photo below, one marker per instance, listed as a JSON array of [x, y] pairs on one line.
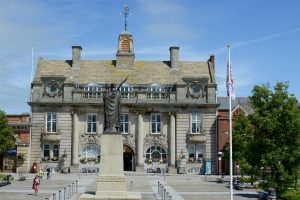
[[272, 147], [7, 140]]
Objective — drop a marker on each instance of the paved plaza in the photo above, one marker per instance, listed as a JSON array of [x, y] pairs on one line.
[[187, 187]]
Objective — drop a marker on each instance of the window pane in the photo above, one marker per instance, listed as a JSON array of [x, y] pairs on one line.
[[94, 127], [153, 128], [126, 128], [54, 127], [158, 118], [153, 118], [158, 128]]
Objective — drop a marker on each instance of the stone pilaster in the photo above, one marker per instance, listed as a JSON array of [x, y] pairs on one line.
[[172, 140], [75, 140], [140, 141]]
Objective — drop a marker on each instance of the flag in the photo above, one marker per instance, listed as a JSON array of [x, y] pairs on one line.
[[229, 82]]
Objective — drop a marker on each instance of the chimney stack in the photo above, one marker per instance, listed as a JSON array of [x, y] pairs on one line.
[[174, 57], [212, 59], [76, 56]]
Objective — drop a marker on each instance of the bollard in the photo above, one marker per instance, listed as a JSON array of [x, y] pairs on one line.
[[167, 195], [69, 191], [170, 197], [76, 187], [54, 196], [64, 193], [161, 190], [59, 194], [164, 194], [73, 188], [158, 187], [47, 198]]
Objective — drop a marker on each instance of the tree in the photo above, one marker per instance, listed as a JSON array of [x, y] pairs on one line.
[[7, 141], [272, 145]]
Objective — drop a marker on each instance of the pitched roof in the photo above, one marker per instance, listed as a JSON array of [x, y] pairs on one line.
[[104, 71], [239, 101]]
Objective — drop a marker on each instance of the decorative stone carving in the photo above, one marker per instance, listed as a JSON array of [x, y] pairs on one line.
[[196, 87], [157, 140], [90, 138], [129, 140], [53, 86]]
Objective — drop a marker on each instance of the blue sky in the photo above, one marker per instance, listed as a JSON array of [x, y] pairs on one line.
[[264, 35]]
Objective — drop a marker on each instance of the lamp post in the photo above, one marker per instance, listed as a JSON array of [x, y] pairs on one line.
[[220, 153]]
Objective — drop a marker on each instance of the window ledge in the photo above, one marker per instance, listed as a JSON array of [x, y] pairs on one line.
[[196, 137]]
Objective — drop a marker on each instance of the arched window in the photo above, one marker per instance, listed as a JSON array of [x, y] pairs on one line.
[[156, 153], [90, 151]]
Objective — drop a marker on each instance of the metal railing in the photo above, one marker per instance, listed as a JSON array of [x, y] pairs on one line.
[[67, 193]]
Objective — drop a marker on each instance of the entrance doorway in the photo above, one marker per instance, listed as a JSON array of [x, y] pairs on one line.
[[128, 158]]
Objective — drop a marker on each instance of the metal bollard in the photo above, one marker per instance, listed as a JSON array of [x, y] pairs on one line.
[[161, 190], [76, 187], [47, 198], [167, 195], [170, 197], [54, 196], [65, 193], [73, 188], [158, 187], [69, 191], [164, 194], [59, 194]]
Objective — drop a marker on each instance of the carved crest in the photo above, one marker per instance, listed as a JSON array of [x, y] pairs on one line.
[[90, 138], [196, 87], [53, 86], [156, 140]]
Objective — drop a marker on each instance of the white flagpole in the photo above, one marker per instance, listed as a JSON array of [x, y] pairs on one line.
[[230, 124]]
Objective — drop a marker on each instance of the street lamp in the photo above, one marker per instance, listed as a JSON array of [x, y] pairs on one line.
[[220, 154]]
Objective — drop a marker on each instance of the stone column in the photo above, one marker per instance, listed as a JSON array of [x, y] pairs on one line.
[[140, 141], [75, 140], [172, 140]]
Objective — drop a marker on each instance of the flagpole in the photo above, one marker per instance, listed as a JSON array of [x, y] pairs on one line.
[[230, 124]]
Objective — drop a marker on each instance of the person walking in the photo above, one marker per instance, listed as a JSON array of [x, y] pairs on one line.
[[35, 184], [48, 172]]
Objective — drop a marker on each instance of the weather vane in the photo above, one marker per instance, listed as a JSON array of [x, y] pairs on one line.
[[126, 13]]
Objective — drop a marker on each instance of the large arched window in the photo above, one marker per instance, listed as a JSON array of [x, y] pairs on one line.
[[90, 151], [156, 153]]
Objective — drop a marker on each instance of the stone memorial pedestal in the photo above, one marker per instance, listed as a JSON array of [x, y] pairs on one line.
[[111, 180]]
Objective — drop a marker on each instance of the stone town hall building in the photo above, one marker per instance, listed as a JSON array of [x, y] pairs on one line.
[[168, 111]]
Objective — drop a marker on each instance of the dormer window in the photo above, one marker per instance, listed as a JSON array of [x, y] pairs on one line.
[[92, 90], [126, 91], [156, 91]]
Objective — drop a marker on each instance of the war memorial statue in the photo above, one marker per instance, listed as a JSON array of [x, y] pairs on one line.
[[111, 184], [112, 108]]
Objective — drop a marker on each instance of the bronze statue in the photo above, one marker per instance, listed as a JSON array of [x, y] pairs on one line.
[[112, 108]]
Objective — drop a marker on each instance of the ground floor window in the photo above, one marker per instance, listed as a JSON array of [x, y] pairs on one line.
[[156, 154], [90, 152], [51, 151], [196, 152]]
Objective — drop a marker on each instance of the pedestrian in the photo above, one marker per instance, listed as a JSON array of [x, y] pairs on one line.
[[48, 172], [35, 184]]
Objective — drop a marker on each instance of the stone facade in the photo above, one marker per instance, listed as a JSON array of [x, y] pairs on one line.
[[168, 111]]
